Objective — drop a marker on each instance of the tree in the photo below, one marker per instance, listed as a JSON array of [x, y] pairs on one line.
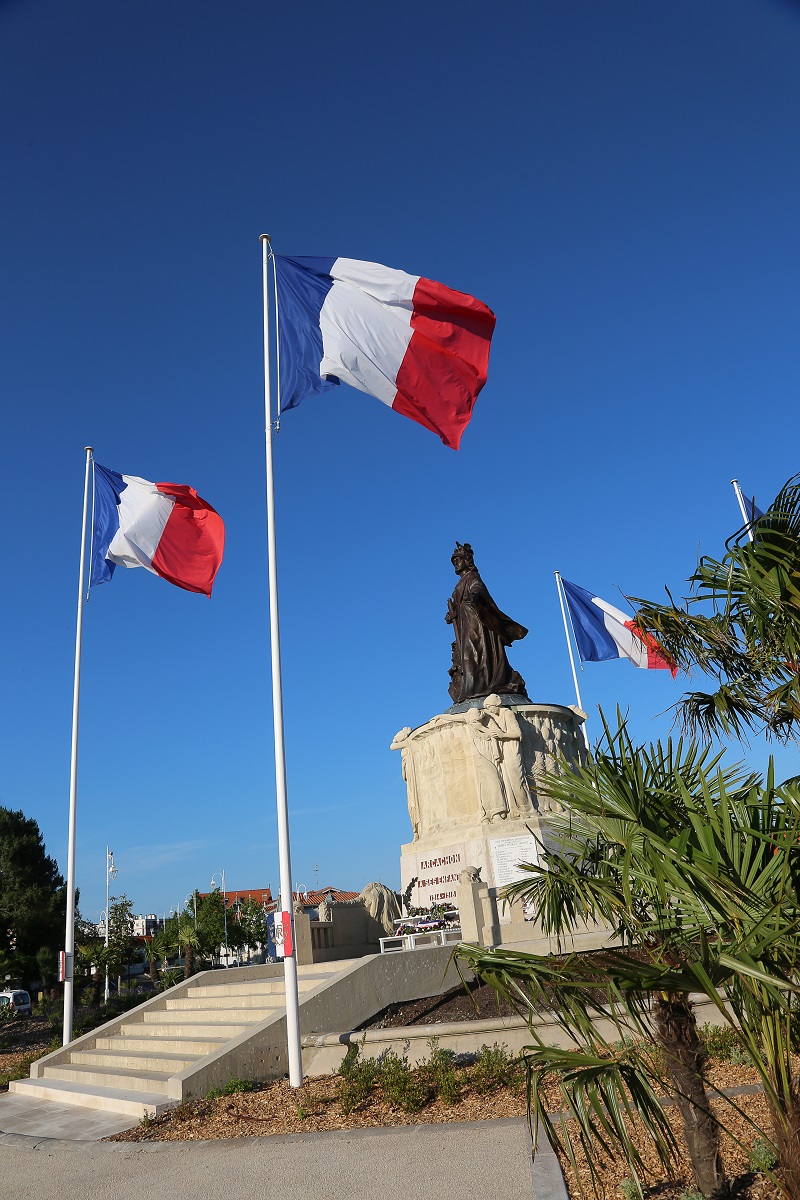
[[211, 923], [696, 867], [251, 921], [33, 896], [740, 624], [187, 940], [121, 942]]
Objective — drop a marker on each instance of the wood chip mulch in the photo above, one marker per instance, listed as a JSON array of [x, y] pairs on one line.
[[277, 1108]]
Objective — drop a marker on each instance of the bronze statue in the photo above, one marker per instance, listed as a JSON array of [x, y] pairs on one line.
[[482, 632]]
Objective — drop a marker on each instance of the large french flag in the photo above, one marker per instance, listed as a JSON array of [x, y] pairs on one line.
[[416, 345], [604, 632], [164, 527]]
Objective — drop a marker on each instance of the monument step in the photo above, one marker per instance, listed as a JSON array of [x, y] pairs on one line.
[[219, 1030], [153, 1082], [106, 1099], [151, 1059], [222, 1003], [226, 1016], [194, 1047]]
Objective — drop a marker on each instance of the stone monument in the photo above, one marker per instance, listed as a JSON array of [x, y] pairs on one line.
[[473, 773]]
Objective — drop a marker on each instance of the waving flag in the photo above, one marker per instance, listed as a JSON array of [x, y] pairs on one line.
[[416, 345], [603, 632], [164, 527]]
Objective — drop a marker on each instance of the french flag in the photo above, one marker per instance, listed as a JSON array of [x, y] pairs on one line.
[[603, 632], [420, 347], [164, 527]]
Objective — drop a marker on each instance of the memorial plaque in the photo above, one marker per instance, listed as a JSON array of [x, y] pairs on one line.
[[508, 853]]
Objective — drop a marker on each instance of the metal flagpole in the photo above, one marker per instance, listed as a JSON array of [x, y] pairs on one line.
[[748, 520], [290, 960], [560, 589], [69, 932]]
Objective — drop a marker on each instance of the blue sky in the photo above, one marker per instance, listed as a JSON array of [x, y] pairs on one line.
[[619, 181]]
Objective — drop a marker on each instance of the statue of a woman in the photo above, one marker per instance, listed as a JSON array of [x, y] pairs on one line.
[[482, 632]]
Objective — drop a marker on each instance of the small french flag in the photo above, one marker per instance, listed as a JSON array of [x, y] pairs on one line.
[[603, 632], [164, 527], [416, 345]]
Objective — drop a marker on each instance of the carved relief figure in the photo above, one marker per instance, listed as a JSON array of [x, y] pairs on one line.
[[509, 736], [409, 770], [487, 766], [482, 633]]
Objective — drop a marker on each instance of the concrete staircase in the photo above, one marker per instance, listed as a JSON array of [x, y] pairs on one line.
[[131, 1065]]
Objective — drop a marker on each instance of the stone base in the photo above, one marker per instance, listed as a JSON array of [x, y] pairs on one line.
[[495, 849]]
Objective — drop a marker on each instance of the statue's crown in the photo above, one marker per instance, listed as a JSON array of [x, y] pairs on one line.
[[464, 550]]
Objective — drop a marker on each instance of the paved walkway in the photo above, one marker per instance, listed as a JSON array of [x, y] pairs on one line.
[[490, 1159]]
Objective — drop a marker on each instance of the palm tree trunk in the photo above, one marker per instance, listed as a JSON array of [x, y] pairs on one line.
[[786, 1135], [685, 1055], [188, 962]]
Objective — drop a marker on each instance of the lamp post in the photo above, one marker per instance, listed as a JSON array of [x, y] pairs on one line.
[[111, 873], [224, 908]]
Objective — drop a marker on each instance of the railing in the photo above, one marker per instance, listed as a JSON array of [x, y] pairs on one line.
[[425, 932]]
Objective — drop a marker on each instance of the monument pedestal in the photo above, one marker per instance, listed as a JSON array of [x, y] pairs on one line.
[[474, 778]]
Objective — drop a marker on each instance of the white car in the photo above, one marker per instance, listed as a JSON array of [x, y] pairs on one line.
[[19, 1001]]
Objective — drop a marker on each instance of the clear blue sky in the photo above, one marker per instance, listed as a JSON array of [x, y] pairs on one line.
[[619, 181]]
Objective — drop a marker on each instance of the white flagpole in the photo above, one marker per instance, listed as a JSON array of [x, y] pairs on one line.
[[290, 960], [560, 589], [69, 932], [748, 520]]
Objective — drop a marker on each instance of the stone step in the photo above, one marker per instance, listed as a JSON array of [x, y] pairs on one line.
[[266, 987], [224, 1016], [151, 1059], [107, 1099], [153, 1082], [220, 1003], [220, 1030], [194, 1047]]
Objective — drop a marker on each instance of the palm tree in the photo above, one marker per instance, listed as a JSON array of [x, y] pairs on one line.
[[187, 940], [694, 865], [740, 624]]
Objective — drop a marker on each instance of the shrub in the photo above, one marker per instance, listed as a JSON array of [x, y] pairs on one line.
[[763, 1156], [402, 1087], [494, 1069], [723, 1043], [238, 1085], [357, 1077], [442, 1074]]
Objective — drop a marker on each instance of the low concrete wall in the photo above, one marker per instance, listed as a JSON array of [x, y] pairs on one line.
[[324, 1053]]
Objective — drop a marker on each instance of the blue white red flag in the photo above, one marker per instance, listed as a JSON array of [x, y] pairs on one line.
[[752, 512], [164, 527], [418, 346], [604, 632]]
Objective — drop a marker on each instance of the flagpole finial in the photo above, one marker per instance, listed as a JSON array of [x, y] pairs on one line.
[[88, 449], [264, 237], [734, 481]]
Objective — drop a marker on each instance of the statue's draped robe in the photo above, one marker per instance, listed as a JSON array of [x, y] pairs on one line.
[[482, 632]]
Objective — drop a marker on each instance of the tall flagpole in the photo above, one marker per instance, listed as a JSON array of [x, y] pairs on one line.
[[748, 520], [290, 960], [560, 589], [69, 932]]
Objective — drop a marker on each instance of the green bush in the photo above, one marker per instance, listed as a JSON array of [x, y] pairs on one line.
[[402, 1087], [763, 1156], [494, 1068], [724, 1044], [442, 1073], [238, 1085], [357, 1078]]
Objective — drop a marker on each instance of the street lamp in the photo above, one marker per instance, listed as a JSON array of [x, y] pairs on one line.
[[111, 873], [224, 908]]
